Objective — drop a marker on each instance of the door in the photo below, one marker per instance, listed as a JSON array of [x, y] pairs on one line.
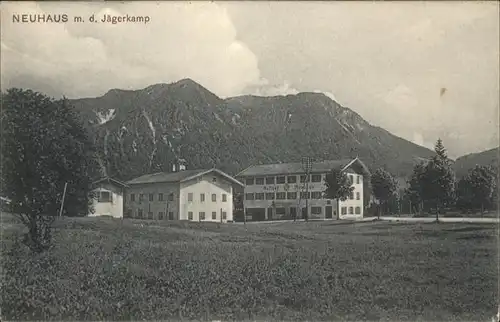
[[293, 212], [269, 213], [304, 212], [329, 212]]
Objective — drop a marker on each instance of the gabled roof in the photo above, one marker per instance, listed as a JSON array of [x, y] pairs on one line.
[[295, 168], [180, 176], [110, 180]]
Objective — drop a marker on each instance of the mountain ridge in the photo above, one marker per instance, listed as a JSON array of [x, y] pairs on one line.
[[146, 130], [466, 162]]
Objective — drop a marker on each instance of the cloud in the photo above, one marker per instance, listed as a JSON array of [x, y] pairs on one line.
[[328, 94], [263, 88], [390, 71], [196, 40]]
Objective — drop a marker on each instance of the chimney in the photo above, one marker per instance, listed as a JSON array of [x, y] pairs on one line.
[[181, 164]]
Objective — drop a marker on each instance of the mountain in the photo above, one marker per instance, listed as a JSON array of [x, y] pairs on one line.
[[465, 163], [145, 131]]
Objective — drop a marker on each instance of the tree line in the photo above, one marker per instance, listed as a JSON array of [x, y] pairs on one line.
[[433, 188]]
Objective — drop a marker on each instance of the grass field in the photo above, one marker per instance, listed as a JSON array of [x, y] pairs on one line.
[[105, 269]]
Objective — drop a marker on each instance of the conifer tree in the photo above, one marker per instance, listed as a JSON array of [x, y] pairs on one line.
[[438, 180]]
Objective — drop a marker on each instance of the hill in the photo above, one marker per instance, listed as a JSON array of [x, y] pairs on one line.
[[464, 163], [146, 130]]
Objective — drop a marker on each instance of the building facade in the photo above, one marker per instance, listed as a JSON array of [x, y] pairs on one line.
[[108, 198], [281, 191], [194, 195]]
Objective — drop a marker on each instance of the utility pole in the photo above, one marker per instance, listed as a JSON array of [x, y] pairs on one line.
[[244, 213], [306, 165]]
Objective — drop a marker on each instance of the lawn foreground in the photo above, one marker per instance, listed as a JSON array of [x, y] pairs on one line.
[[109, 269]]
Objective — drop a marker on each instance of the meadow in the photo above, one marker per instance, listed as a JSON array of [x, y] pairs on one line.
[[109, 269]]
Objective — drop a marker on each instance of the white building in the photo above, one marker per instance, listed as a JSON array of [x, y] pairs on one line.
[[195, 195], [108, 198], [277, 191]]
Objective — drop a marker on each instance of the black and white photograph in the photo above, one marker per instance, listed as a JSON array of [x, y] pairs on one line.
[[250, 161]]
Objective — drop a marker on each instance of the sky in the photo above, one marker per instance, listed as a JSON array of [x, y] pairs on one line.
[[420, 70]]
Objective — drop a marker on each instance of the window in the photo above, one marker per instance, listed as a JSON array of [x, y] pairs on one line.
[[351, 178], [151, 197], [139, 213], [214, 215], [202, 197], [160, 197], [214, 197], [316, 195], [224, 215], [351, 195], [291, 179], [316, 178], [160, 215], [141, 197], [132, 197], [280, 195], [344, 210], [259, 181], [280, 211], [357, 196], [316, 210], [171, 215], [190, 215], [305, 195], [291, 195], [105, 196], [351, 211], [202, 215], [358, 210], [358, 179], [259, 196], [150, 215], [269, 195], [249, 196], [214, 179], [224, 197], [249, 181], [280, 180], [171, 197], [270, 180], [303, 178], [190, 196]]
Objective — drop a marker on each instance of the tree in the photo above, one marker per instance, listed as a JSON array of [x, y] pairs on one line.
[[384, 187], [477, 189], [338, 186], [43, 147], [438, 180], [414, 191]]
